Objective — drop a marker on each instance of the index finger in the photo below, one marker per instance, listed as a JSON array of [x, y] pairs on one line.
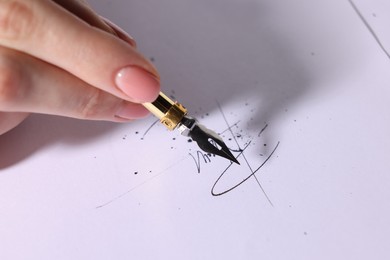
[[45, 30]]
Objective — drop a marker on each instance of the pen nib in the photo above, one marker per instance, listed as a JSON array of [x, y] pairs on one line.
[[210, 142]]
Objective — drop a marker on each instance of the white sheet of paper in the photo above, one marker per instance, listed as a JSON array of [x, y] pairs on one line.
[[305, 79]]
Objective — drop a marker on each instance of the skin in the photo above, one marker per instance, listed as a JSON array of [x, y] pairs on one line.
[[59, 57]]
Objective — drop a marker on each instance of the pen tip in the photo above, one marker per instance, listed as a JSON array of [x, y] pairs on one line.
[[210, 142], [236, 161]]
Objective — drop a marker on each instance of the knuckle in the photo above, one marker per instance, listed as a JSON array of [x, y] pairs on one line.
[[90, 107], [11, 77], [17, 19]]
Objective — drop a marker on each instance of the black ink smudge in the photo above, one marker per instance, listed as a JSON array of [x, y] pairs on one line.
[[262, 130]]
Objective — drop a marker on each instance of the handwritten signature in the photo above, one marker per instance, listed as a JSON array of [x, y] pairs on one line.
[[199, 158]]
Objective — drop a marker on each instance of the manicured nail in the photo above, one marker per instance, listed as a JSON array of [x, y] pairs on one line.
[[138, 84]]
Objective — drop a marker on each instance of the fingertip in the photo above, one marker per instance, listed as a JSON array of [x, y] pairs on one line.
[[138, 84]]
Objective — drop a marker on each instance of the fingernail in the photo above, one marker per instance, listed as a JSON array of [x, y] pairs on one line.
[[138, 84], [130, 111]]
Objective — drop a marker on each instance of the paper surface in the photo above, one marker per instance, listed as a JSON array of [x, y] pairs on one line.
[[301, 86]]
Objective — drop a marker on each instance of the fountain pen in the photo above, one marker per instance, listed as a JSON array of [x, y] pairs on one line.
[[173, 115]]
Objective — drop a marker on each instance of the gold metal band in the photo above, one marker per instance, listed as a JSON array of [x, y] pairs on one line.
[[169, 112]]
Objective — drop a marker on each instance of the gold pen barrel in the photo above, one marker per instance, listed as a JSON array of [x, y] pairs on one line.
[[169, 112]]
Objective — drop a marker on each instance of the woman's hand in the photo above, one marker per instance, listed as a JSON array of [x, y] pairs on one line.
[[59, 57]]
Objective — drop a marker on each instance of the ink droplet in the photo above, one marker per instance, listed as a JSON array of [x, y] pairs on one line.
[[173, 138], [265, 144], [135, 173], [136, 132], [189, 140]]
